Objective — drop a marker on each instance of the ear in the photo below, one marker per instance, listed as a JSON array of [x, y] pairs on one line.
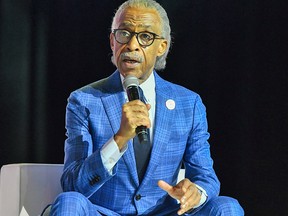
[[111, 41], [162, 47]]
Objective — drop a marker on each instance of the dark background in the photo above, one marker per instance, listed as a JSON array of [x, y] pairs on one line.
[[233, 53]]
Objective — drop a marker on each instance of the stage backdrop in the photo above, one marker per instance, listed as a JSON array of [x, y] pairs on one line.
[[233, 53]]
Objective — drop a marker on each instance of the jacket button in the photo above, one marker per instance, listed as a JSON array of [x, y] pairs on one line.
[[94, 180], [97, 178], [138, 197]]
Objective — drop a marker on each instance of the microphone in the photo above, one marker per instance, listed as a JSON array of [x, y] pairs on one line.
[[131, 84]]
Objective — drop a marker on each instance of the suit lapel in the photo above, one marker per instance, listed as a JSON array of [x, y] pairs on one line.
[[113, 99], [163, 120], [113, 106]]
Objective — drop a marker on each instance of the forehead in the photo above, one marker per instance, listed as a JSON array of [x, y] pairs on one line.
[[145, 18]]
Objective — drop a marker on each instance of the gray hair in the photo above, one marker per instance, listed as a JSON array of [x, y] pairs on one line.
[[165, 25]]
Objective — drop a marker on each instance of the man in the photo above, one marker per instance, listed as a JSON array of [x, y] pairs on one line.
[[101, 160]]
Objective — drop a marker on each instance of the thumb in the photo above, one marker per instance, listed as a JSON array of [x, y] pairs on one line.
[[165, 186], [148, 106]]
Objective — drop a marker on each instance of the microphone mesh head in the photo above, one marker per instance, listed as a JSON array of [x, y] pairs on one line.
[[130, 80]]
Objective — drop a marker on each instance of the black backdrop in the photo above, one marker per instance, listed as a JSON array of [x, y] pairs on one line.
[[233, 53]]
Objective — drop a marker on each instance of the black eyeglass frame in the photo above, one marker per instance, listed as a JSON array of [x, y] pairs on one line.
[[155, 36]]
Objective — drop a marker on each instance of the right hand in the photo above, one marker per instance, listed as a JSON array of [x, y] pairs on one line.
[[134, 113]]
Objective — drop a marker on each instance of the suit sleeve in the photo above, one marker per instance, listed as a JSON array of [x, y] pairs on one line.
[[197, 159], [83, 168]]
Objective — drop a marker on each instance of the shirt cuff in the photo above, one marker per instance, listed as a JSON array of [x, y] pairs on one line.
[[110, 154]]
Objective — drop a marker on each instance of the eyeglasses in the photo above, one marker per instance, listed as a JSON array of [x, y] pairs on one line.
[[144, 38]]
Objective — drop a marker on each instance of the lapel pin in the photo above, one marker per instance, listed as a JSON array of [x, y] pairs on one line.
[[170, 104]]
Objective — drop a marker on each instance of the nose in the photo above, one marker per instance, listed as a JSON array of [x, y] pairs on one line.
[[133, 44]]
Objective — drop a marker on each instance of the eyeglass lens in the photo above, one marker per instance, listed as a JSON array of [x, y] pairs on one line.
[[143, 38]]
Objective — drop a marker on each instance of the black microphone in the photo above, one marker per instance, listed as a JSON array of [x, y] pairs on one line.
[[131, 84]]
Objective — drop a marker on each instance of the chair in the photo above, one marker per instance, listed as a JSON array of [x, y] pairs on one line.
[[26, 189]]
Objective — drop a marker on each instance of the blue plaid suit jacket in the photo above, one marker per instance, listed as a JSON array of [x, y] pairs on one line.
[[93, 116]]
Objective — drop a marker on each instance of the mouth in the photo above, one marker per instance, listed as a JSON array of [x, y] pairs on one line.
[[130, 61], [128, 64]]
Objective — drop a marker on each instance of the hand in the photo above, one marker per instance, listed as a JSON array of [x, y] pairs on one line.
[[134, 113], [185, 191]]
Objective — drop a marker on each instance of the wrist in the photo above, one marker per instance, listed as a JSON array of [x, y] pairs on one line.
[[120, 141]]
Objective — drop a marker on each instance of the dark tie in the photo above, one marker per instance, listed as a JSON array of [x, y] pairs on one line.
[[142, 150]]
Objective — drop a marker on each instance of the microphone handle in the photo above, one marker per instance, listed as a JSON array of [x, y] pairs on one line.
[[133, 93], [141, 131]]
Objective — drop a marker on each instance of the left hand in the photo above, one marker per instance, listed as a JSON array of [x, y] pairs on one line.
[[185, 191]]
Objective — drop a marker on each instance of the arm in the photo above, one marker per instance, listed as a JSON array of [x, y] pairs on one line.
[[197, 159], [198, 165], [85, 168]]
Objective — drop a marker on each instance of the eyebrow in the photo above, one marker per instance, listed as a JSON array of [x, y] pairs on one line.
[[128, 24]]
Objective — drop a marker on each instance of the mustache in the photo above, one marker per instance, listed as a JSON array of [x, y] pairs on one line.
[[131, 56]]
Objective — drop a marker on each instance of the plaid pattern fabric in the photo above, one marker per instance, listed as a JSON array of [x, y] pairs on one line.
[[72, 203], [93, 116]]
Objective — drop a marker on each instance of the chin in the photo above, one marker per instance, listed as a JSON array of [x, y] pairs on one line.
[[130, 72]]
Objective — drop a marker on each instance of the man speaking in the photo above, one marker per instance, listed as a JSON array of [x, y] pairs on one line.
[[109, 169]]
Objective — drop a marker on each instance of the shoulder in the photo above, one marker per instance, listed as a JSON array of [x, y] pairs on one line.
[[173, 89], [102, 87]]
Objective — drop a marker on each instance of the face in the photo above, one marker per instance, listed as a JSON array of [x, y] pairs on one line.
[[132, 58]]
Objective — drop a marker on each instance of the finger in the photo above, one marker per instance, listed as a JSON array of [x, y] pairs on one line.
[[140, 119], [148, 106], [192, 198], [136, 114], [186, 184], [187, 187], [188, 199], [190, 190], [137, 102], [194, 195], [165, 186], [139, 109], [175, 192]]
